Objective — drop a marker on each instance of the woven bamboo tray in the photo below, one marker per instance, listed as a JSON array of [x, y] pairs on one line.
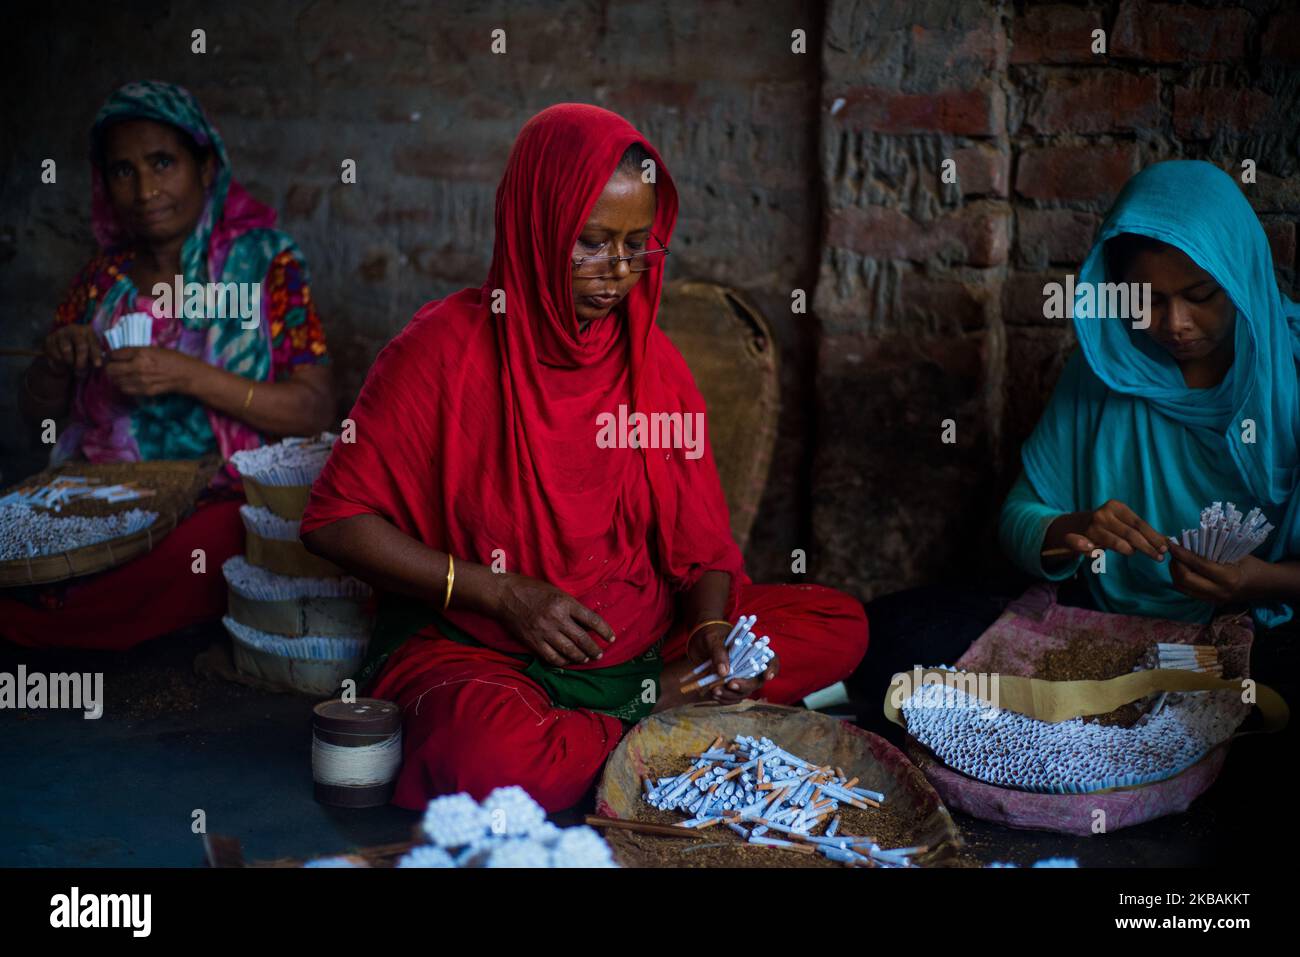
[[177, 485]]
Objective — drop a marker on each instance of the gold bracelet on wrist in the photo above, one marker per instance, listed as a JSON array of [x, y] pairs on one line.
[[249, 398], [714, 621], [451, 578]]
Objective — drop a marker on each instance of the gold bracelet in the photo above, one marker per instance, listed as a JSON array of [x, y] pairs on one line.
[[715, 621], [249, 398], [451, 577]]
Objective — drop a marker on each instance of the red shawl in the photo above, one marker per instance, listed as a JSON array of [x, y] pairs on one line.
[[476, 430]]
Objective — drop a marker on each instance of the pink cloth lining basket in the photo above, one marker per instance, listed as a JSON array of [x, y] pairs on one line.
[[1034, 624]]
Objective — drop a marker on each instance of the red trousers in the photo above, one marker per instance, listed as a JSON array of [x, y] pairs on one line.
[[146, 598], [473, 722]]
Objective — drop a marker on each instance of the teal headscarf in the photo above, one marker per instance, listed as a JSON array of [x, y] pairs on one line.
[[1122, 423]]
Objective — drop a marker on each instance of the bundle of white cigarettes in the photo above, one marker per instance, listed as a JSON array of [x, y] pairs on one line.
[[508, 829], [292, 461], [133, 329], [1224, 534], [65, 488], [28, 533], [756, 788], [1202, 658], [747, 656]]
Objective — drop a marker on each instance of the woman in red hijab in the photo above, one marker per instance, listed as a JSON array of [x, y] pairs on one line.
[[538, 586]]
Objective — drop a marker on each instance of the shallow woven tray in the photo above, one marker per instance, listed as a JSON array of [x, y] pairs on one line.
[[178, 484], [663, 737]]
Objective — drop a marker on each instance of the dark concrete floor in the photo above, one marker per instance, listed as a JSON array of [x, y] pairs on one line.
[[121, 791]]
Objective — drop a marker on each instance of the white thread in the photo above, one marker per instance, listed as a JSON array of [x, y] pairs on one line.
[[356, 767]]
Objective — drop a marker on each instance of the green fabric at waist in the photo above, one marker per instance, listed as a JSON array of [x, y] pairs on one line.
[[627, 691]]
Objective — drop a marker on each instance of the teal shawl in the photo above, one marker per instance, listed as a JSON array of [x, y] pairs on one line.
[[1122, 423]]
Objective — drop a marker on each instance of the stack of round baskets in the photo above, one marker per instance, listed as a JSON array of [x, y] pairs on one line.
[[296, 620]]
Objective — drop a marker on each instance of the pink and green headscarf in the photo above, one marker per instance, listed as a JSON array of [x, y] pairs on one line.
[[234, 242]]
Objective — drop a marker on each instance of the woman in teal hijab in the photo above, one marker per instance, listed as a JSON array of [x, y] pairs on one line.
[[1147, 426]]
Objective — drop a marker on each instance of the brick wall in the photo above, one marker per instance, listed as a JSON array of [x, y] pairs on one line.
[[930, 293], [413, 94]]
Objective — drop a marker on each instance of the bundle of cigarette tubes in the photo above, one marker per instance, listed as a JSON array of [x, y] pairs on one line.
[[773, 798], [1189, 657], [747, 657], [65, 488], [1202, 658], [1224, 534], [133, 329]]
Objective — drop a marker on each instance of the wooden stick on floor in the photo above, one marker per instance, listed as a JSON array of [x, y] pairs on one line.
[[661, 830]]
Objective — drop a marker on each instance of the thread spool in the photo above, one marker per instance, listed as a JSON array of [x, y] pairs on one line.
[[356, 751]]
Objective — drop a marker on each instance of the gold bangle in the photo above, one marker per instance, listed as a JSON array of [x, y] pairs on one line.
[[249, 398], [715, 621], [451, 577]]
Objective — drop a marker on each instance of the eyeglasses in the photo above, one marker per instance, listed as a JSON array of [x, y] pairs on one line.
[[600, 267]]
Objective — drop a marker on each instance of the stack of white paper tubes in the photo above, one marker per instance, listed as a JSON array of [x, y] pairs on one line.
[[508, 829], [26, 532], [132, 329], [1013, 750], [1224, 535], [314, 619]]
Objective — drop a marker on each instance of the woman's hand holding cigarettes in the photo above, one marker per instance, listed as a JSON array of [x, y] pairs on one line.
[[708, 646], [1223, 583]]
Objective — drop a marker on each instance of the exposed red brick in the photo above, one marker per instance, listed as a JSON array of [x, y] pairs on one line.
[[1023, 298], [421, 215], [445, 161], [1055, 34], [1282, 37], [975, 112], [1070, 173], [1034, 359], [1200, 113], [1281, 237], [1089, 101], [1179, 32], [961, 55], [656, 95], [775, 102], [1046, 236], [374, 268], [982, 171], [301, 201], [1269, 193], [976, 234], [935, 303]]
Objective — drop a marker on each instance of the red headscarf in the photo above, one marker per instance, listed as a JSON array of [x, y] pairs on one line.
[[476, 429]]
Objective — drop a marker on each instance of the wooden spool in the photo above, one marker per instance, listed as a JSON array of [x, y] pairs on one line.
[[364, 723]]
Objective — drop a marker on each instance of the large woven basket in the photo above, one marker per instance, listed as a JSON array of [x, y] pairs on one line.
[[728, 346], [177, 485]]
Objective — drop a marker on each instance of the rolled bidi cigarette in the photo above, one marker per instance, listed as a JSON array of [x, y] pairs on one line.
[[749, 663], [741, 627], [741, 645]]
